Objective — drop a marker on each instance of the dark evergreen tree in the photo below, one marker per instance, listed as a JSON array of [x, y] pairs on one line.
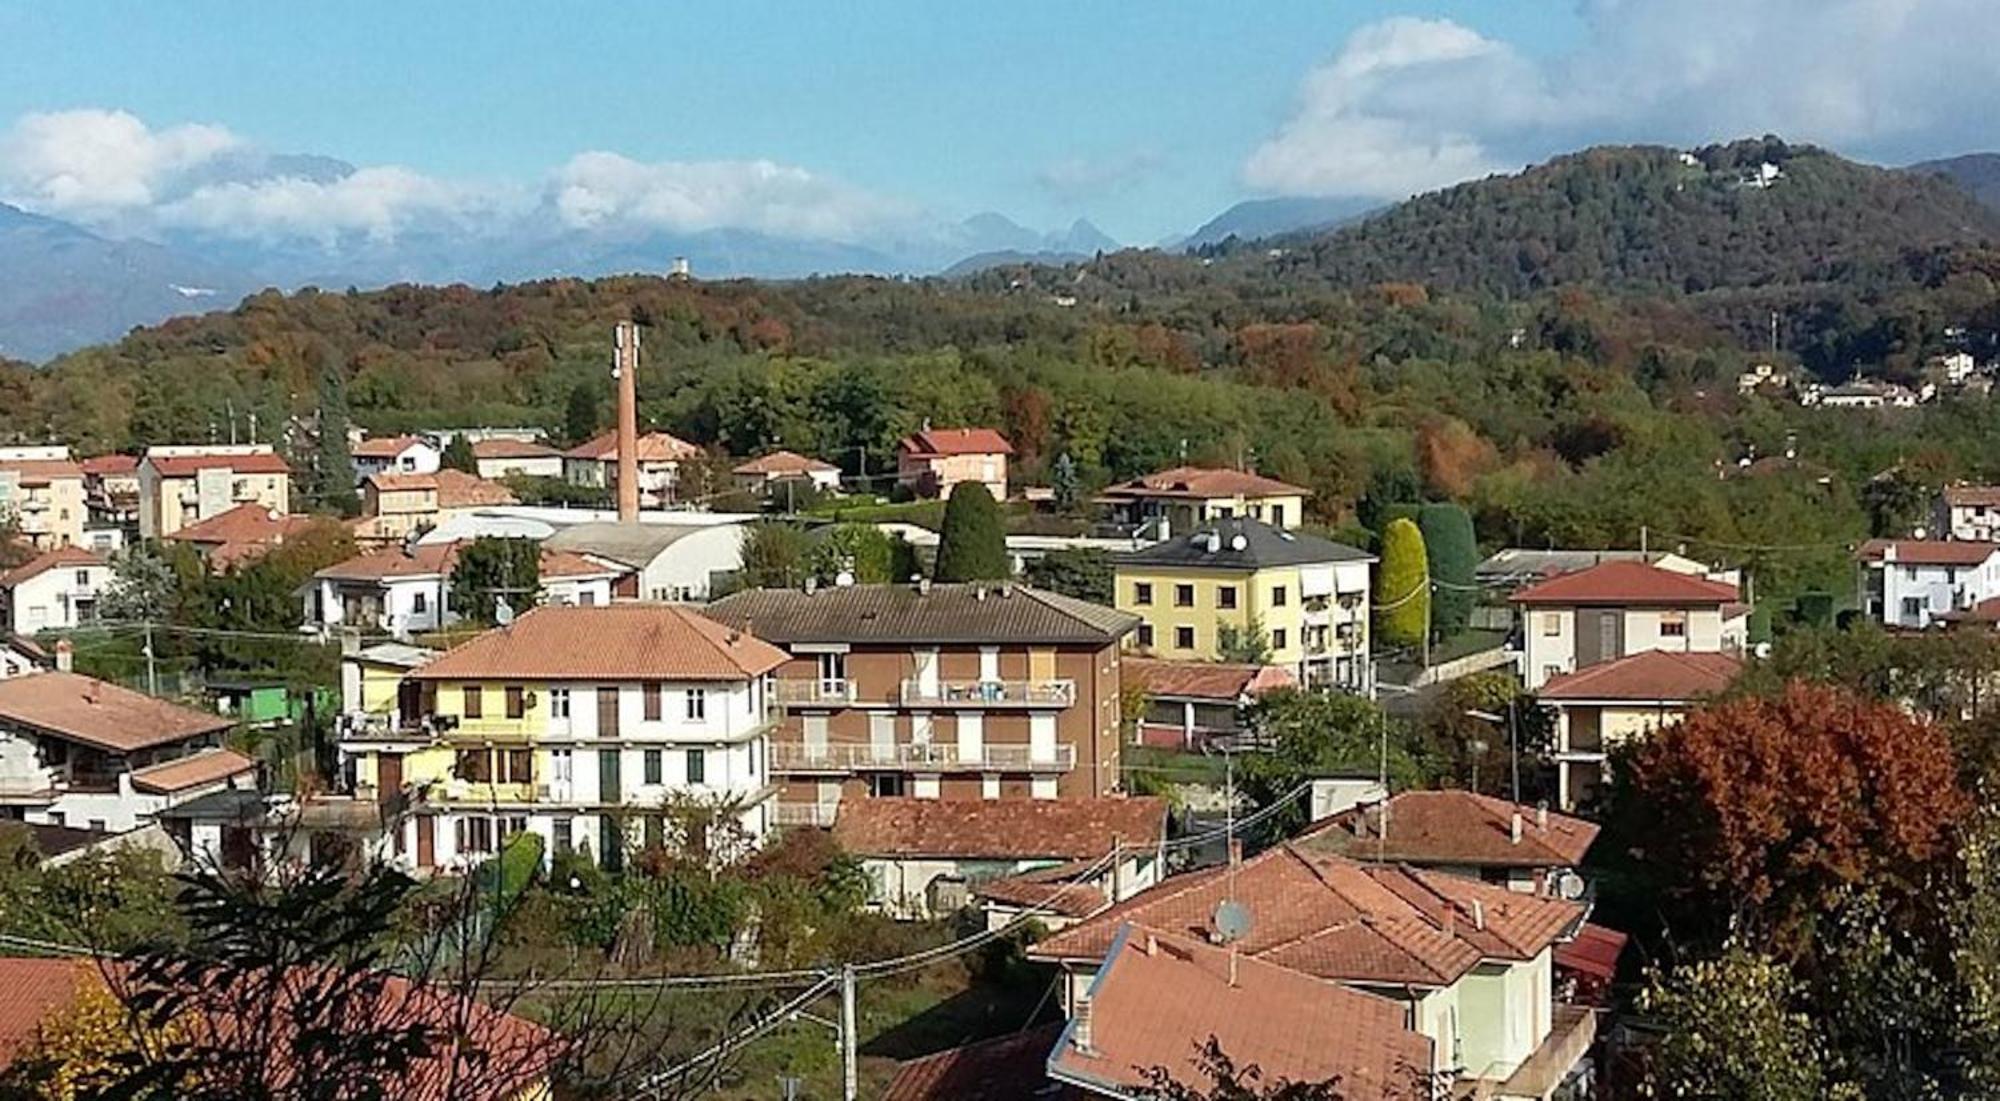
[[330, 479], [492, 569], [973, 544], [1453, 554], [458, 455], [584, 413]]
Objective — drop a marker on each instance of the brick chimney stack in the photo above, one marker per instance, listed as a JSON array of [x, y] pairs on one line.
[[626, 370]]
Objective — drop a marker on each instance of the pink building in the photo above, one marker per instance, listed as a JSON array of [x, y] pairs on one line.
[[933, 460]]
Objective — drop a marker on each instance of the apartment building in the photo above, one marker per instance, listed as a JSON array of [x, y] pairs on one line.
[[111, 492], [590, 726], [1309, 596], [1622, 607], [41, 489], [1601, 707], [397, 506], [56, 590], [1968, 512], [967, 691], [1188, 497], [179, 486], [503, 457], [1915, 583], [931, 461], [595, 463]]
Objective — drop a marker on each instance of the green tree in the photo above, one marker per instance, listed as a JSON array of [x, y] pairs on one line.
[[1402, 591], [1896, 502], [1082, 572], [492, 569], [1733, 1027], [1248, 644], [583, 414], [973, 544], [1452, 553], [775, 556], [867, 551], [1317, 734], [1065, 483], [144, 585], [458, 455], [330, 479]]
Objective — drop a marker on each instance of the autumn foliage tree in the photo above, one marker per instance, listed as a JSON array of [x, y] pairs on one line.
[[1761, 811]]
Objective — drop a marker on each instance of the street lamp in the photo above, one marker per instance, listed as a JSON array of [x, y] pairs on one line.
[[1513, 743]]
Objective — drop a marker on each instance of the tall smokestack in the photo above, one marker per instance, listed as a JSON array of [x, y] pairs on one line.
[[626, 369]]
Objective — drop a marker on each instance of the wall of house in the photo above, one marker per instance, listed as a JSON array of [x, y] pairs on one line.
[[546, 466], [1504, 1013], [418, 458], [49, 513], [686, 569], [1934, 589], [936, 474], [1547, 654], [55, 598]]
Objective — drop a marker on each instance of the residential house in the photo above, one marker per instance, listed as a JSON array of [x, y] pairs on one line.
[[179, 485], [1968, 512], [958, 692], [930, 462], [1188, 497], [19, 656], [395, 455], [1602, 706], [1192, 705], [1470, 964], [679, 562], [582, 724], [56, 590], [76, 751], [502, 457], [1623, 607], [1913, 583], [1309, 596], [762, 474], [1008, 1067], [595, 464], [41, 490], [111, 493], [397, 506], [926, 857], [242, 534], [406, 590], [1528, 849]]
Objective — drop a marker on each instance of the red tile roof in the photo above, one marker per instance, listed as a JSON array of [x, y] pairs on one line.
[[998, 829], [1455, 828], [1649, 676], [40, 472], [1201, 483], [1594, 952], [243, 530], [1222, 682], [454, 488], [1334, 918], [654, 447], [783, 463], [609, 642], [50, 560], [559, 563], [84, 709], [1927, 552], [1048, 889], [187, 466], [37, 989], [418, 560], [111, 465], [1627, 582], [210, 766], [1971, 496], [1159, 997], [955, 441], [513, 449], [385, 447], [1005, 1068]]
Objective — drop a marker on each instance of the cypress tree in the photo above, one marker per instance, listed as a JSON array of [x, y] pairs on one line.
[[1453, 554], [332, 480], [1402, 592], [973, 544], [458, 455]]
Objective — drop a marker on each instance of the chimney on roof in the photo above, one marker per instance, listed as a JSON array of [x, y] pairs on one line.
[[1516, 831], [625, 369], [812, 584], [1152, 945], [1542, 815], [1478, 915], [65, 656], [1079, 1033], [923, 586]]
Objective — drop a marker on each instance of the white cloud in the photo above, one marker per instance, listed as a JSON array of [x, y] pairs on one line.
[[97, 165], [606, 190], [1407, 104], [1080, 177], [379, 202]]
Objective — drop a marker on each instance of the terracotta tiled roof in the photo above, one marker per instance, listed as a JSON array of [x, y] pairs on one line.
[[1221, 682], [654, 447], [955, 441], [609, 642], [50, 560], [1927, 552], [1048, 889], [111, 466], [1624, 582], [1970, 496], [973, 612], [559, 563], [1000, 829], [1201, 483], [419, 560], [37, 989], [455, 488], [1454, 827], [40, 472], [187, 466], [84, 709], [1005, 1068], [210, 766], [1986, 611], [1648, 676], [384, 447], [247, 524], [1159, 996], [513, 449], [1334, 918], [784, 462]]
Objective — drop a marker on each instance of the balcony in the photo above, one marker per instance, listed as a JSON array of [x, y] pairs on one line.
[[989, 693], [820, 815], [821, 692], [837, 757]]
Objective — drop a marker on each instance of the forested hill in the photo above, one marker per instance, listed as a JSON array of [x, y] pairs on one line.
[[1643, 217]]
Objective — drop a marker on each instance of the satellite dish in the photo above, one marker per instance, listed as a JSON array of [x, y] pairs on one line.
[[1238, 541], [503, 612], [1570, 885], [1232, 921]]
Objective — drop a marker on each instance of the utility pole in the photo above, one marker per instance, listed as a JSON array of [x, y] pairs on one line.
[[849, 1078], [1514, 745], [152, 668]]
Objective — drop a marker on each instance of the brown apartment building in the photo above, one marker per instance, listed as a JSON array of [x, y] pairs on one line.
[[966, 691]]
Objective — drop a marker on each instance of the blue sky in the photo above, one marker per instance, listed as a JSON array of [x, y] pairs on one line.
[[1146, 118]]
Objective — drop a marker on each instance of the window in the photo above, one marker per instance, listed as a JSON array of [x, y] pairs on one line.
[[1183, 596], [517, 701], [1277, 638], [654, 766], [474, 701], [651, 693], [1673, 624], [1184, 638], [697, 704], [475, 835], [1278, 596], [697, 762], [83, 579], [1913, 607], [474, 766], [1146, 634], [558, 703], [886, 785], [563, 834], [1277, 516], [1142, 593], [1225, 596], [1552, 624], [517, 766]]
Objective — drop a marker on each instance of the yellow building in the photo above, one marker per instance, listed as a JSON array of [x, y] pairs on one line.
[[1308, 596], [41, 489], [180, 486], [578, 723], [1180, 500]]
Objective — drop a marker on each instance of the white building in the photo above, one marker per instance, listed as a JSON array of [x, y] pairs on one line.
[[395, 455], [681, 562], [1620, 608], [1968, 512], [54, 591], [407, 590], [595, 463], [761, 473], [1914, 583], [504, 457]]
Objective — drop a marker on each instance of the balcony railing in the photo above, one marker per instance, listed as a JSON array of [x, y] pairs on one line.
[[918, 757], [819, 692], [989, 693], [804, 814]]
